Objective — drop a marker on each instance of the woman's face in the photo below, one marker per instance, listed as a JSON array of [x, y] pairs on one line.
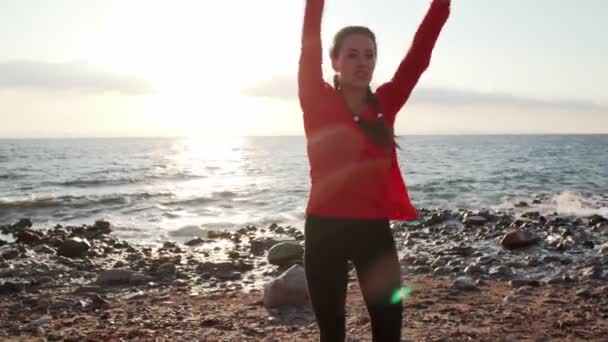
[[356, 61]]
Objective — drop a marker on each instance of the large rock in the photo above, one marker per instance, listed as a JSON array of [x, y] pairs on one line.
[[289, 288], [284, 252], [74, 248], [519, 239]]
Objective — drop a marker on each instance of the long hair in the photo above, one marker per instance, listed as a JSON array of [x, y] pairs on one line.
[[378, 130]]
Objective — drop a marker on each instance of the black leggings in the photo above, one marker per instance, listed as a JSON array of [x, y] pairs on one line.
[[369, 244]]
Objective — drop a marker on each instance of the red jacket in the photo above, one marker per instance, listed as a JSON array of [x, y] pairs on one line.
[[350, 176]]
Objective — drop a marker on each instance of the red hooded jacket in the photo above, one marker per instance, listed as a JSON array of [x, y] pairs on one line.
[[350, 176]]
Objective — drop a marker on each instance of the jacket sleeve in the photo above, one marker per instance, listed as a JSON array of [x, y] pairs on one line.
[[310, 74], [393, 94]]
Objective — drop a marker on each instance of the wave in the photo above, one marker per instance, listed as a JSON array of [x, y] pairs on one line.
[[568, 203], [190, 202], [75, 202], [225, 194], [187, 231], [87, 183], [11, 176]]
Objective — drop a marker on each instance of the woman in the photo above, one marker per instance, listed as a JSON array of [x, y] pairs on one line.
[[356, 183]]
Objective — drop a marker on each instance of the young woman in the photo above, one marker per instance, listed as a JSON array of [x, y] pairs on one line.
[[356, 183]]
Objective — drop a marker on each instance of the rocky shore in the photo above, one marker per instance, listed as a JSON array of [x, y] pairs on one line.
[[476, 276]]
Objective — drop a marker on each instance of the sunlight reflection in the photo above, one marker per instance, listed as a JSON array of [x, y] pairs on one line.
[[200, 156]]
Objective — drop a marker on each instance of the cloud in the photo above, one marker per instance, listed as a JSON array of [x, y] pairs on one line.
[[285, 88], [454, 97], [26, 74]]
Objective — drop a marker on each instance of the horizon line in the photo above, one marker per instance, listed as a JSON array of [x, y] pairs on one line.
[[290, 136]]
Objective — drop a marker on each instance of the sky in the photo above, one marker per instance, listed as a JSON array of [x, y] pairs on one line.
[[84, 68]]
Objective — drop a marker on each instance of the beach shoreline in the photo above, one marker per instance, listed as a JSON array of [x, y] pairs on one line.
[[476, 275]]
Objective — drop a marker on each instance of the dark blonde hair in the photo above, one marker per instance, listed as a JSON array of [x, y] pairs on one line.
[[378, 131]]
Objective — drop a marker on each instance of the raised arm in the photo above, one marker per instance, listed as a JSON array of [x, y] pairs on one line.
[[393, 94], [310, 74]]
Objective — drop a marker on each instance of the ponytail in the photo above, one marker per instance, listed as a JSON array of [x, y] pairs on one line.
[[378, 130]]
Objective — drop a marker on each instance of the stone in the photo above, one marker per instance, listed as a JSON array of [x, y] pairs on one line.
[[169, 244], [519, 239], [22, 224], [560, 279], [603, 248], [473, 269], [9, 287], [421, 270], [42, 321], [500, 271], [437, 218], [139, 279], [475, 220], [283, 252], [289, 289], [223, 270], [262, 244], [74, 248], [28, 237], [517, 283], [585, 293], [464, 284], [524, 289], [593, 272], [44, 249], [195, 242], [167, 269], [597, 219], [103, 226], [462, 250], [115, 277], [588, 244], [9, 254], [43, 280], [486, 260], [88, 289], [229, 275], [442, 271]]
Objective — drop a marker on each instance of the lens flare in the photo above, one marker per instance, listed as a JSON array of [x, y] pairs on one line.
[[401, 294]]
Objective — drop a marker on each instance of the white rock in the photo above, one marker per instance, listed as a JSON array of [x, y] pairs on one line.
[[289, 288]]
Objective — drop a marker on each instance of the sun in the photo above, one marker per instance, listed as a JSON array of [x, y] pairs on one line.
[[200, 58]]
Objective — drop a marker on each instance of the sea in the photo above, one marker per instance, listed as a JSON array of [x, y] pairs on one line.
[[153, 189]]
